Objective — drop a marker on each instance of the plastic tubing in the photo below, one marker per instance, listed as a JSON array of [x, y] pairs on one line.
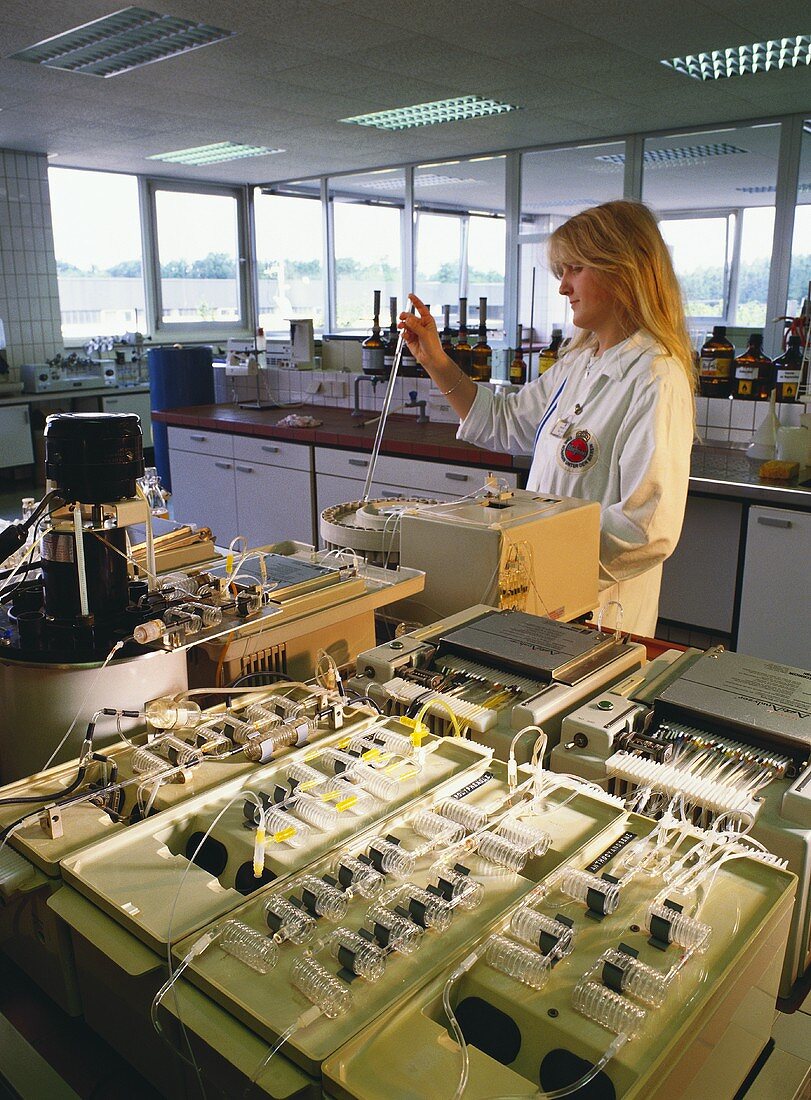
[[252, 948], [367, 960], [315, 982], [517, 961], [499, 851], [528, 925]]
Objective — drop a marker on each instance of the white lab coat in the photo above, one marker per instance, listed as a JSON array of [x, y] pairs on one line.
[[624, 424]]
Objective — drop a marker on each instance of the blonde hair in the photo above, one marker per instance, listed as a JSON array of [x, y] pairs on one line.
[[622, 241]]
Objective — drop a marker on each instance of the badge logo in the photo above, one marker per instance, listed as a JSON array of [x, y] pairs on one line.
[[579, 452]]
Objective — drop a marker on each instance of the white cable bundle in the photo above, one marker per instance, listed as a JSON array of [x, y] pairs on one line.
[[718, 797], [478, 718]]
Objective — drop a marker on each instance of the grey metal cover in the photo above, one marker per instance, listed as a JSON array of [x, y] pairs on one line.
[[753, 694], [544, 648]]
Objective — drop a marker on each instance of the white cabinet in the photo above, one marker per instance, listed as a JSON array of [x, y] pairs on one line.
[[16, 448], [137, 403], [203, 483], [273, 491], [775, 602], [698, 580]]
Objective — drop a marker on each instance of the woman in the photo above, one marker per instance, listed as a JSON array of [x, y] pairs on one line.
[[613, 420]]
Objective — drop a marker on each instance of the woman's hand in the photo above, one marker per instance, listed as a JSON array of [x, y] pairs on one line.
[[422, 337]]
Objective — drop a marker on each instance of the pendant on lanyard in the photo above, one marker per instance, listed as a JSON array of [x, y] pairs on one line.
[[562, 427]]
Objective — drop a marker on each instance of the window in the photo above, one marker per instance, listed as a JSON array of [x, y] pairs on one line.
[[289, 258], [714, 192], [197, 235], [555, 184], [800, 275], [367, 214], [437, 253], [97, 241]]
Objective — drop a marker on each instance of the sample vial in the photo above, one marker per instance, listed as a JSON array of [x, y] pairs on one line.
[[171, 714], [253, 948]]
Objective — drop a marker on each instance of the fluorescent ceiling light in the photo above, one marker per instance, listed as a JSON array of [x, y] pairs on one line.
[[680, 156], [429, 114], [429, 179], [770, 189], [214, 154], [439, 164], [552, 203], [122, 41], [759, 57]]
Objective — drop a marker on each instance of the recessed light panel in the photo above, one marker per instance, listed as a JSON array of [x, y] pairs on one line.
[[214, 154], [430, 179], [675, 158], [429, 114], [120, 42], [759, 57], [770, 189]]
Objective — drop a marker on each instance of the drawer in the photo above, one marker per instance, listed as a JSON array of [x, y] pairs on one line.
[[342, 463], [201, 442], [272, 452], [435, 477]]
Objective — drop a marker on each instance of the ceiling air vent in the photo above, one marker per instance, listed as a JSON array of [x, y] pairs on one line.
[[122, 41]]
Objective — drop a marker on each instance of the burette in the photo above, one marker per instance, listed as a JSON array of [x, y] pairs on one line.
[[381, 424]]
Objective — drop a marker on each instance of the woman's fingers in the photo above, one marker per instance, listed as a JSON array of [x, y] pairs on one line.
[[420, 306]]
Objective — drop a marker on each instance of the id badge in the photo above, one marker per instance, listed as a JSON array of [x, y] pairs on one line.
[[561, 428]]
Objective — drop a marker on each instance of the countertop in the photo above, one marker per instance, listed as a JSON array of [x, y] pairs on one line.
[[715, 470], [63, 395]]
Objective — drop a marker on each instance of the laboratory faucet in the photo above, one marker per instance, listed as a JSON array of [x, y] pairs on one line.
[[358, 412], [413, 403]]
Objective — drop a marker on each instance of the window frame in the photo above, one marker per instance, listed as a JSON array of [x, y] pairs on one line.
[[205, 329]]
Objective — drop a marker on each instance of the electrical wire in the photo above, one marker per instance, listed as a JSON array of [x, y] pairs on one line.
[[118, 645]]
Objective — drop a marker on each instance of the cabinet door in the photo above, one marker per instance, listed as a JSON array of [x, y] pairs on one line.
[[774, 617], [203, 492], [698, 580], [137, 403], [15, 436], [273, 504]]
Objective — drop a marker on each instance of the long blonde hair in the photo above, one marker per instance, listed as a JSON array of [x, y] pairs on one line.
[[622, 241]]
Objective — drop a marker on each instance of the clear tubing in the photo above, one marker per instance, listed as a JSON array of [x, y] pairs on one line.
[[210, 615], [638, 979], [320, 987], [288, 922], [257, 712], [528, 925], [379, 786], [320, 814], [428, 909], [533, 841], [328, 901], [253, 948], [403, 935], [466, 892], [388, 739], [517, 961], [212, 742], [685, 931], [277, 821], [576, 884], [605, 1007], [145, 762], [309, 779], [179, 752], [353, 872], [166, 714], [471, 817], [435, 827], [369, 962], [179, 582], [241, 732], [191, 623], [279, 705], [498, 850], [393, 859]]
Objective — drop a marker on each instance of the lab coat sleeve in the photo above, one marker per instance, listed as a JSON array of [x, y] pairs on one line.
[[508, 422], [653, 450]]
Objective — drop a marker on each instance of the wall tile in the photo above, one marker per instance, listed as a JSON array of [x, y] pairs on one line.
[[719, 412]]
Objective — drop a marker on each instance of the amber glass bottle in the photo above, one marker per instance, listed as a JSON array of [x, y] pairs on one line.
[[518, 368], [373, 349], [548, 356], [787, 370], [753, 372], [446, 336], [463, 352], [481, 354], [391, 337], [715, 365]]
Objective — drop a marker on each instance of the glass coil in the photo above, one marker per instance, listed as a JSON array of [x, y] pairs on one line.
[[179, 752], [403, 935], [288, 922], [368, 960], [208, 613], [257, 712], [308, 779], [577, 884], [379, 786], [181, 583], [498, 850], [391, 859], [145, 762], [466, 892], [686, 931], [638, 979], [436, 827], [327, 901], [426, 908], [320, 987], [252, 948], [354, 873], [240, 731], [321, 814], [528, 925], [517, 961], [277, 821], [533, 841], [605, 1007], [471, 817]]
